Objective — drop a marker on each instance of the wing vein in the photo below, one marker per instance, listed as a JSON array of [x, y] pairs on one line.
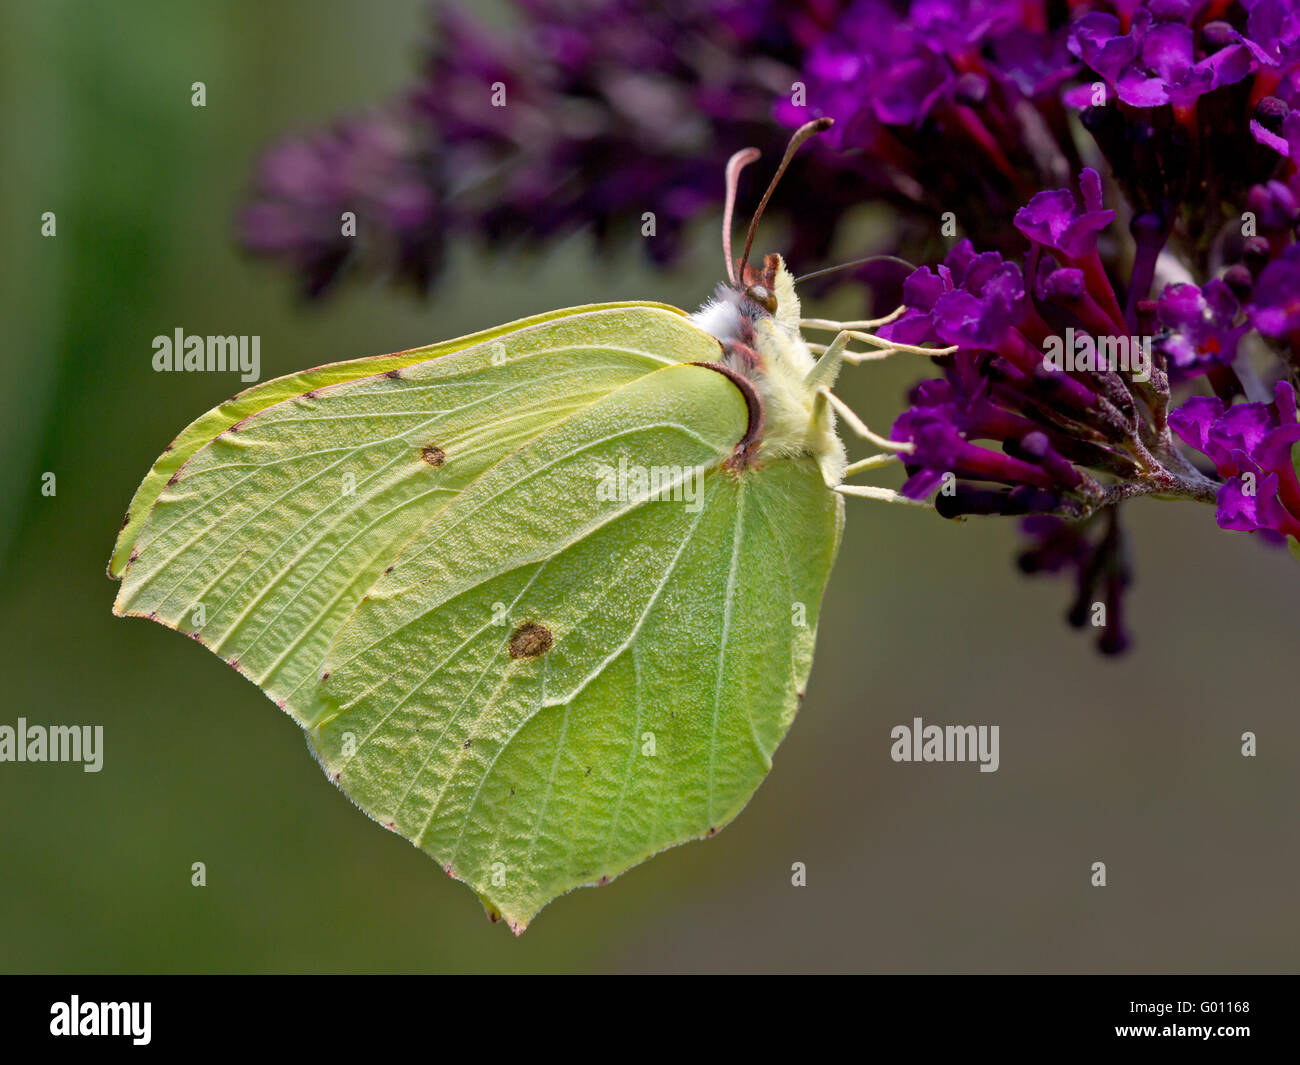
[[726, 634]]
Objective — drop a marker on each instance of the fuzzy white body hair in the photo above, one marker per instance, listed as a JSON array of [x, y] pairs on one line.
[[794, 423]]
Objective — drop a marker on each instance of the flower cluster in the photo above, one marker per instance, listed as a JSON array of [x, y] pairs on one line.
[[1072, 433], [1121, 329], [1197, 119], [1010, 430]]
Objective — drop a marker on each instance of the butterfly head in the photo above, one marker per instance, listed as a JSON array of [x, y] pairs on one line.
[[753, 295], [755, 316]]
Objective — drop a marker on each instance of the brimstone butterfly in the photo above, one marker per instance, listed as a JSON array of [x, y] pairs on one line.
[[544, 598]]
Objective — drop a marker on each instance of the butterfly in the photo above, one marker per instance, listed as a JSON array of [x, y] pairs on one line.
[[543, 598]]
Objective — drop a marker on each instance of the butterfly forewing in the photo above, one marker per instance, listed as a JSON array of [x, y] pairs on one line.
[[268, 393], [266, 538]]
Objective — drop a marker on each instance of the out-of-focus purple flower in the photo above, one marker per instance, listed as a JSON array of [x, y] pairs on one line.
[[1273, 30], [1275, 206], [1099, 566], [872, 69], [1251, 446], [589, 115], [1183, 92], [585, 115], [370, 168], [1275, 300], [1036, 62], [1199, 327], [915, 85], [1057, 545]]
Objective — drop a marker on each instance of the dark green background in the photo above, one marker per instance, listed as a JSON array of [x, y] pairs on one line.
[[915, 868]]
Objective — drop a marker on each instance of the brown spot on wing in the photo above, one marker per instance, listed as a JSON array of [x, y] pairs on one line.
[[530, 640], [433, 455]]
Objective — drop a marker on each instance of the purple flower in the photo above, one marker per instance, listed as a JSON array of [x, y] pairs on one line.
[[1156, 62], [974, 403], [956, 27], [1199, 327], [1057, 220], [872, 69], [1193, 422], [1251, 445], [1286, 141], [1250, 502], [971, 300], [942, 451], [944, 79], [1036, 63]]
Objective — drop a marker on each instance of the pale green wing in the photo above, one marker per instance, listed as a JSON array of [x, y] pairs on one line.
[[268, 393], [262, 543], [551, 685]]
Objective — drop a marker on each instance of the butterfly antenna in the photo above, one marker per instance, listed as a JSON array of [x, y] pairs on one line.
[[735, 165], [808, 129], [855, 262]]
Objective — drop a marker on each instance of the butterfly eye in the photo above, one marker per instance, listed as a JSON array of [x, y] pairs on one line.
[[762, 295]]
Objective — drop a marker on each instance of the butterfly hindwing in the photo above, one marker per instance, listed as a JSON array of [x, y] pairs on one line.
[[551, 685]]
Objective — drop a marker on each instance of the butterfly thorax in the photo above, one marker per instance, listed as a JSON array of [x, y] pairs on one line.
[[757, 324]]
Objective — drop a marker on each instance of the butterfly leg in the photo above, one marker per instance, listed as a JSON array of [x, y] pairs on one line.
[[883, 495], [823, 375], [830, 326], [884, 348], [825, 395], [893, 451], [827, 369], [846, 331]]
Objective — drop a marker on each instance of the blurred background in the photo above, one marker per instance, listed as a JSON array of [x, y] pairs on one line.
[[914, 868]]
